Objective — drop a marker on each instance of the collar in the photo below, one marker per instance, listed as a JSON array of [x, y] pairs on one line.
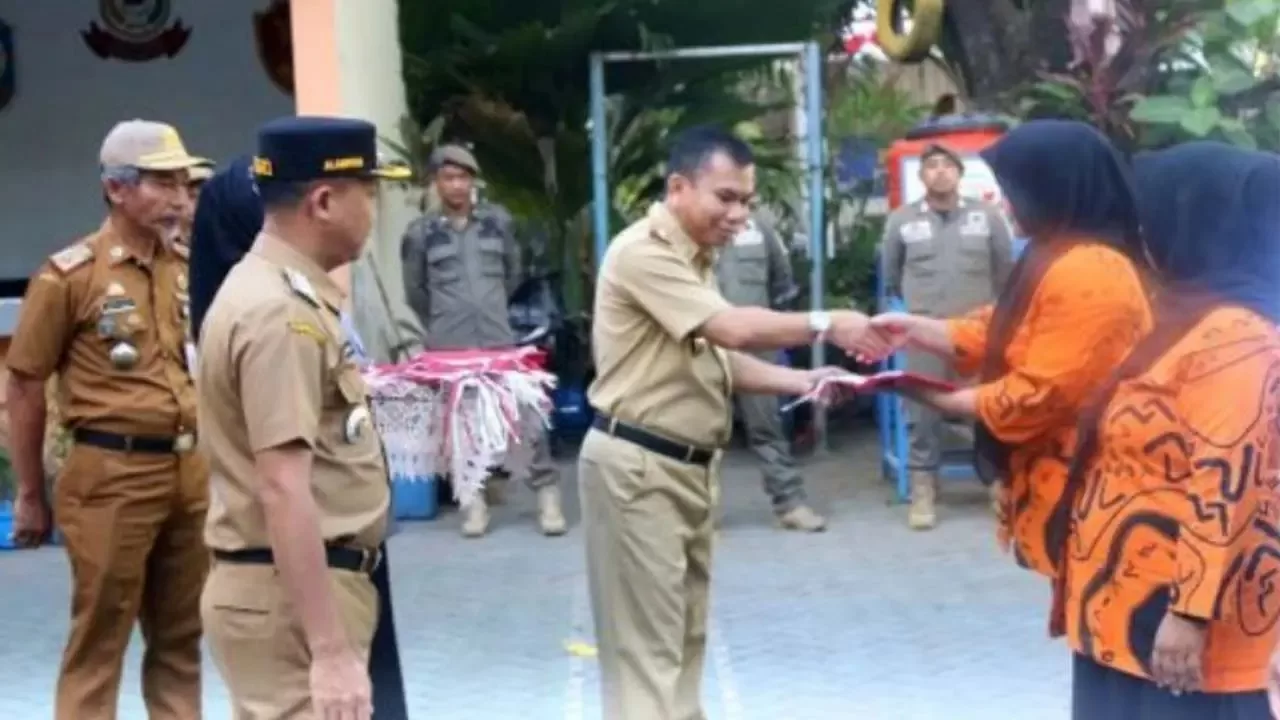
[[112, 244], [278, 252], [961, 204], [664, 226]]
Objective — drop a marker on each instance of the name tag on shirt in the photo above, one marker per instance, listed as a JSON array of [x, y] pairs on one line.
[[917, 231], [750, 236], [975, 223]]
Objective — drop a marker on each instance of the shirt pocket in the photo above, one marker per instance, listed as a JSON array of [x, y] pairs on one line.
[[752, 265], [493, 257], [444, 265]]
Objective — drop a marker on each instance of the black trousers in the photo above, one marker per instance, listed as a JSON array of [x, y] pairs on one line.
[[1102, 693], [384, 656]]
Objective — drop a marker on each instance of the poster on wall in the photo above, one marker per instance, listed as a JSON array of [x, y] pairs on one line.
[[136, 31], [8, 74], [273, 37]]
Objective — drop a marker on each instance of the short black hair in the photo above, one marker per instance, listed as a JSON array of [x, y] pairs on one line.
[[283, 195], [692, 148]]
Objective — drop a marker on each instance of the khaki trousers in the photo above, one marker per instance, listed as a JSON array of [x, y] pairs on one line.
[[133, 525], [648, 530], [257, 642]]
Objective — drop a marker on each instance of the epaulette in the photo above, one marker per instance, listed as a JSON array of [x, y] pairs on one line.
[[301, 286], [70, 258]]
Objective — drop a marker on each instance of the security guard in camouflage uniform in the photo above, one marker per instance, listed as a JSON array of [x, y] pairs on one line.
[[754, 269], [944, 255], [461, 263]]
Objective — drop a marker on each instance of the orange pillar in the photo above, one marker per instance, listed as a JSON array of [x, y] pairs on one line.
[[317, 74]]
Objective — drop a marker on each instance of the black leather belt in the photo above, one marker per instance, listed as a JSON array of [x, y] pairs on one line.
[[338, 557], [153, 444], [647, 440]]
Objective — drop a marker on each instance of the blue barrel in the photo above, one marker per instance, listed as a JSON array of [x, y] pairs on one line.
[[6, 525], [413, 498]]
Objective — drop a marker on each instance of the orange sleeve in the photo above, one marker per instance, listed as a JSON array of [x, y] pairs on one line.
[[969, 338], [1088, 312], [1226, 406]]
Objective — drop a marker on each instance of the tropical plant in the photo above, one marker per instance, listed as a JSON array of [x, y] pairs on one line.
[[1226, 87], [511, 79]]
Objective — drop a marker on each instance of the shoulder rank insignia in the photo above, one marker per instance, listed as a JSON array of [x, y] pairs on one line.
[[306, 329], [301, 286], [71, 258]]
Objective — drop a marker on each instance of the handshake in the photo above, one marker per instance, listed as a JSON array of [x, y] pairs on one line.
[[872, 339]]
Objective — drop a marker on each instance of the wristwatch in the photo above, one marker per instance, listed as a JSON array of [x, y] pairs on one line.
[[819, 324]]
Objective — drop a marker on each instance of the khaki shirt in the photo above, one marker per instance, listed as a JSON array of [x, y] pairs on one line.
[[656, 288], [92, 297], [458, 280], [946, 264], [275, 369]]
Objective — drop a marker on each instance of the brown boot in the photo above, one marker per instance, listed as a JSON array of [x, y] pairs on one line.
[[922, 515]]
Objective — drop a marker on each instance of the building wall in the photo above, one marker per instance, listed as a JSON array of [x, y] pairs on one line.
[[215, 91]]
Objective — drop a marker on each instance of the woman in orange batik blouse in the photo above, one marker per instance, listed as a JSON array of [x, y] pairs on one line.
[[1071, 311], [1168, 595]]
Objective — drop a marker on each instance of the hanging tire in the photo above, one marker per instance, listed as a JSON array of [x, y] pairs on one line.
[[914, 45]]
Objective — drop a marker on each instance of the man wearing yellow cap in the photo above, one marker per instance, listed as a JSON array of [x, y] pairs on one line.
[[109, 315]]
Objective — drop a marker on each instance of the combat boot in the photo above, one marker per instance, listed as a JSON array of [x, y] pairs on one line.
[[550, 515], [803, 519], [922, 514], [475, 518]]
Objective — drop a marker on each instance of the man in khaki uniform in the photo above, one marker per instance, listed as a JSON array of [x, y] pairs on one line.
[[461, 263], [299, 489], [666, 351], [944, 255], [109, 316], [755, 269]]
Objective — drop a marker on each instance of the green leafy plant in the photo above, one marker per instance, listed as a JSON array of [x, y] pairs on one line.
[[1223, 92]]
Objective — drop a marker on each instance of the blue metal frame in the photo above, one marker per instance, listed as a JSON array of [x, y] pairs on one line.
[[811, 55], [891, 418]]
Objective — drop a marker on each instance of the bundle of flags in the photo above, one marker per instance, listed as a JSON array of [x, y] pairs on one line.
[[456, 413]]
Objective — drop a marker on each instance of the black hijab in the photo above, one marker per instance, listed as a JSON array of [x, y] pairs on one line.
[[1066, 184], [228, 218], [1211, 228], [1211, 224]]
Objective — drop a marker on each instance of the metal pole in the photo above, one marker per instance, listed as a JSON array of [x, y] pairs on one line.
[[703, 53], [813, 72], [599, 159]]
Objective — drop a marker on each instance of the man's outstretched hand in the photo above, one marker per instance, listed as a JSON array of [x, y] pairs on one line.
[[857, 335]]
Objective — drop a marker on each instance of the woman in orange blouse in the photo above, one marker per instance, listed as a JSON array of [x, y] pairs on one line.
[[1071, 311], [1169, 595]]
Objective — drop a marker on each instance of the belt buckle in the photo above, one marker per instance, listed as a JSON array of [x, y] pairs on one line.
[[370, 560], [689, 452], [613, 426], [184, 443]]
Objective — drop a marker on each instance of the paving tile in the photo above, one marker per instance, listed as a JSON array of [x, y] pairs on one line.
[[867, 621]]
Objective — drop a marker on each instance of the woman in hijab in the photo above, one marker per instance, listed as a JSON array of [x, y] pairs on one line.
[[1169, 517], [228, 218], [227, 221], [1072, 309]]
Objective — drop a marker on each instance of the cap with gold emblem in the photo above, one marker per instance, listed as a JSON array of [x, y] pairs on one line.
[[305, 148], [147, 145]]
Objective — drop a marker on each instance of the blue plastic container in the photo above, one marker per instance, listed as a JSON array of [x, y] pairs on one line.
[[413, 498], [6, 525]]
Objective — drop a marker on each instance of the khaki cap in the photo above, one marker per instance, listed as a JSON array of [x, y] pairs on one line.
[[147, 145], [455, 155]]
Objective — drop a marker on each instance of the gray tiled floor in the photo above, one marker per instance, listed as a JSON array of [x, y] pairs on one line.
[[867, 621]]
